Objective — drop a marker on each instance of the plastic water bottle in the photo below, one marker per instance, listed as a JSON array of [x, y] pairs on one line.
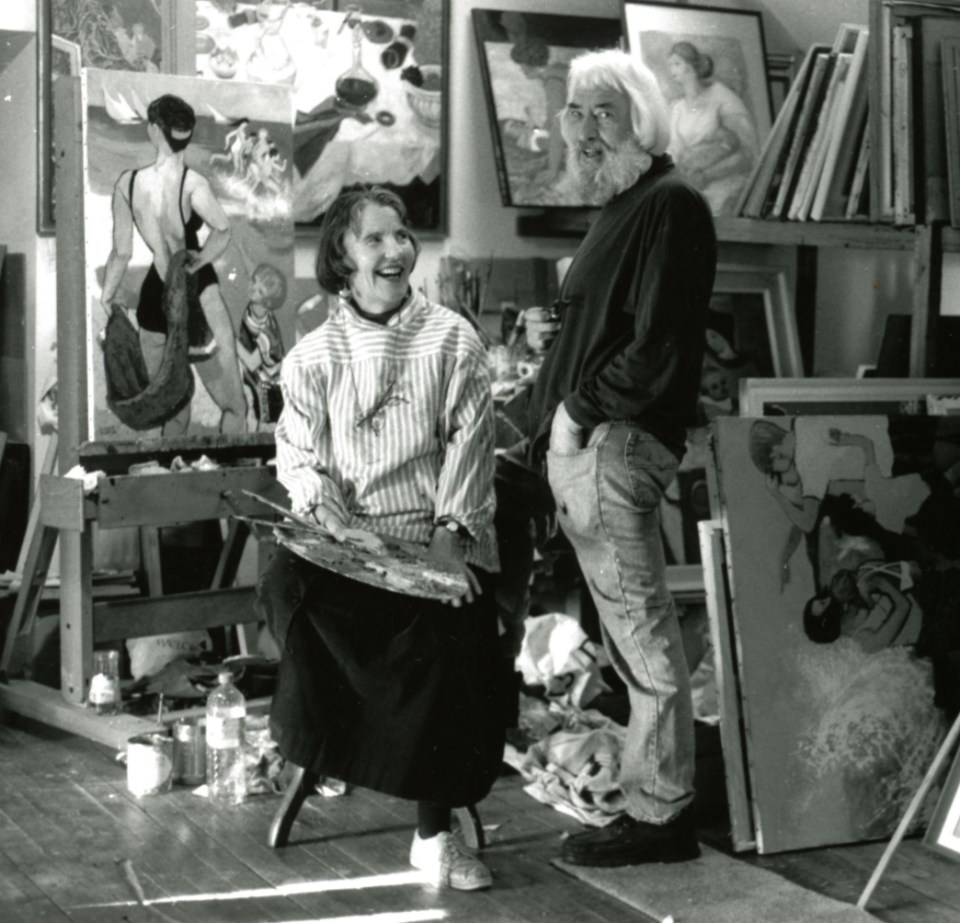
[[226, 712]]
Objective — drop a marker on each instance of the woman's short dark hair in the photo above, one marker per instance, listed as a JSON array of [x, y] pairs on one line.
[[333, 266], [171, 114]]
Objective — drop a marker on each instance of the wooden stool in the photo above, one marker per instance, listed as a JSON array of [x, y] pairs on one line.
[[304, 783]]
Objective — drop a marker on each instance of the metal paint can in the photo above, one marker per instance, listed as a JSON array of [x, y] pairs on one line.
[[189, 752], [150, 764]]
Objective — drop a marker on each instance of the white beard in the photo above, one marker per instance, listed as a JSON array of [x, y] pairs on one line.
[[619, 169]]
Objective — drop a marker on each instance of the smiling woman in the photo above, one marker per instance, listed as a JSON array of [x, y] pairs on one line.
[[381, 252], [388, 427]]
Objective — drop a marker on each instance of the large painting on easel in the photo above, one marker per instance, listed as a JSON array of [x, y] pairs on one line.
[[191, 344], [843, 555]]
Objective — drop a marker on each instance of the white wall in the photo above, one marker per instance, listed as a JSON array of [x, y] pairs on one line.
[[18, 15]]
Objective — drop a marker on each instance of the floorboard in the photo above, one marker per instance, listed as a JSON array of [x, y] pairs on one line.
[[75, 845]]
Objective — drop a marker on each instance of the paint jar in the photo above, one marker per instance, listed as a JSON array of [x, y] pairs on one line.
[[150, 764], [104, 695], [189, 752]]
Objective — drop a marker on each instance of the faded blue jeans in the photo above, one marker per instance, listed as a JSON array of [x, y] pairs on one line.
[[608, 504]]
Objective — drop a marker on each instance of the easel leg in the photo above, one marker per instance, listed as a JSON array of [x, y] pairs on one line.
[[76, 614], [226, 574], [33, 564], [939, 761], [33, 577], [49, 461], [150, 559]]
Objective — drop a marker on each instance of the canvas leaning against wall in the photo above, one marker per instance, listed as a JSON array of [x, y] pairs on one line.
[[843, 555], [215, 373]]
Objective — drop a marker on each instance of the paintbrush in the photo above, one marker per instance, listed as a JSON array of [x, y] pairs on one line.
[[296, 517]]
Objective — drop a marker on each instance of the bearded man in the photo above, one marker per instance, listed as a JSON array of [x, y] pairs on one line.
[[609, 412]]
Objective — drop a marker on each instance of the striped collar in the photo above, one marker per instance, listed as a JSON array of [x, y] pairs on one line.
[[410, 307]]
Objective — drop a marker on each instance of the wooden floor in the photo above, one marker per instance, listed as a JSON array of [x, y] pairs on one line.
[[75, 845]]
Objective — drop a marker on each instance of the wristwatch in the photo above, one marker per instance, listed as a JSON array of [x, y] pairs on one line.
[[451, 525]]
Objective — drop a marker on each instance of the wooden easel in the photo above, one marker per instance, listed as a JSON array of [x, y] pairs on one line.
[[62, 513], [936, 767], [65, 514], [36, 553]]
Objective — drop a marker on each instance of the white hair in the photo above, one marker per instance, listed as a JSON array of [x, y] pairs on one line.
[[614, 69]]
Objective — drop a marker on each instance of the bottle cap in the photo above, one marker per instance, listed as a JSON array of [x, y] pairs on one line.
[[224, 676]]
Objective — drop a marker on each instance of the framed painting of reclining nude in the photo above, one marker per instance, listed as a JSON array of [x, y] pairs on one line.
[[187, 343]]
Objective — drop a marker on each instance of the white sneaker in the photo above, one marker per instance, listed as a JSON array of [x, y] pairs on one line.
[[448, 863]]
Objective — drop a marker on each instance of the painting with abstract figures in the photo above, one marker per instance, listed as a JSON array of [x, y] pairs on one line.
[[524, 59], [176, 349], [114, 35], [843, 556], [368, 89]]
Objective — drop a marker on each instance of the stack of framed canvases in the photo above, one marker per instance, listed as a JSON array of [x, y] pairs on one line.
[[832, 572]]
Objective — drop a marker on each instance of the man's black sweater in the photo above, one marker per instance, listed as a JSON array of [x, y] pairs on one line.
[[634, 307]]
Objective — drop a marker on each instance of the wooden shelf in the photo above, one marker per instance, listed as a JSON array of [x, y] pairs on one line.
[[854, 235], [849, 234]]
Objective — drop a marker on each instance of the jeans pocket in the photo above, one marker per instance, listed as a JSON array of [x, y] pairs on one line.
[[573, 481], [651, 467]]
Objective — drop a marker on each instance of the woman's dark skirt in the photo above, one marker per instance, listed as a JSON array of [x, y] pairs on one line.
[[384, 691]]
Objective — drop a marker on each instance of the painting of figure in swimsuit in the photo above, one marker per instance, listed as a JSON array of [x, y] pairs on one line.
[[176, 347]]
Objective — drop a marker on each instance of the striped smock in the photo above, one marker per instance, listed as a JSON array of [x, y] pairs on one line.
[[397, 420]]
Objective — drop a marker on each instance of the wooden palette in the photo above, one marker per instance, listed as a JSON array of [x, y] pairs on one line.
[[368, 557], [378, 560]]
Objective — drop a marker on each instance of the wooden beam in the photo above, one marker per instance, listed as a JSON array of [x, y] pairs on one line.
[[41, 703], [805, 303], [76, 614], [32, 580], [190, 496], [926, 301], [139, 618]]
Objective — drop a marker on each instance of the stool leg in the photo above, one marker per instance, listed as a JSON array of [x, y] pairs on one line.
[[470, 827], [302, 784]]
